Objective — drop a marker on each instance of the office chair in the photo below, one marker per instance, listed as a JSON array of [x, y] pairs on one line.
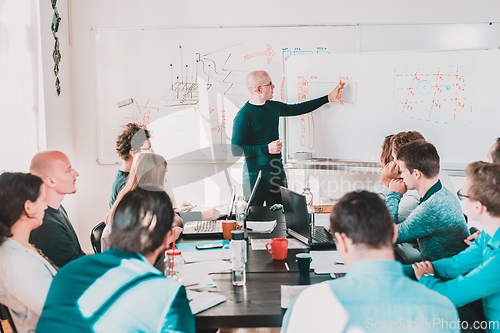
[[95, 236], [5, 315]]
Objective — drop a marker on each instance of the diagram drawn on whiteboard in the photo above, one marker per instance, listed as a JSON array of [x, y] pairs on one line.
[[141, 114], [433, 94], [269, 52], [307, 128], [184, 91]]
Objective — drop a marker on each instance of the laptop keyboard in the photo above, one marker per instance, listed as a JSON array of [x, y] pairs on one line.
[[320, 235], [205, 226]]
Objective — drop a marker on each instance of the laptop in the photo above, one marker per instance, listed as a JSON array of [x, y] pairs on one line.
[[298, 222], [214, 228]]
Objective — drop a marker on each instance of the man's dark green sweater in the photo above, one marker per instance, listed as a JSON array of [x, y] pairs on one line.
[[255, 126]]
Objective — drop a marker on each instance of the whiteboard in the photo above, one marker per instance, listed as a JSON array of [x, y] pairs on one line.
[[450, 97], [188, 84]]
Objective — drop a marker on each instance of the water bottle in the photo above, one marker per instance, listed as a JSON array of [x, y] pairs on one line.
[[239, 210], [238, 249], [310, 208], [309, 200]]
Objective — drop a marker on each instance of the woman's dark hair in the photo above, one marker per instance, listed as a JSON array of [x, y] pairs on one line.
[[15, 189], [141, 220], [363, 217], [132, 137]]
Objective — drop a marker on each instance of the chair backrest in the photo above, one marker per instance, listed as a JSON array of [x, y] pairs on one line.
[[5, 315], [95, 236]]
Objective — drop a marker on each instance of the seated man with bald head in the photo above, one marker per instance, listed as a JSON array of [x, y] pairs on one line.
[[256, 135], [56, 237]]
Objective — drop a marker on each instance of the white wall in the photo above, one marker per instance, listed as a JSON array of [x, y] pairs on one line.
[[70, 122]]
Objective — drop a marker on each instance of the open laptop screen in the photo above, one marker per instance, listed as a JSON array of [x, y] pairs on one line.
[[231, 201], [295, 209], [254, 190]]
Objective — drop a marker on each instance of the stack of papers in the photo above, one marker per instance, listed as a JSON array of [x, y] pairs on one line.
[[191, 254], [326, 262], [263, 227], [206, 255], [207, 267]]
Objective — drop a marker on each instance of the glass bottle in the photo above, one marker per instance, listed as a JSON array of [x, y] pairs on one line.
[[309, 200], [238, 249], [174, 264], [239, 210]]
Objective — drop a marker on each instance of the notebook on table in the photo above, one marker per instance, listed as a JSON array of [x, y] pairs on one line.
[[298, 222], [214, 228]]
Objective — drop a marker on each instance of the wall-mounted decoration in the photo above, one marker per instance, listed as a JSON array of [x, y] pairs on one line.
[[56, 55]]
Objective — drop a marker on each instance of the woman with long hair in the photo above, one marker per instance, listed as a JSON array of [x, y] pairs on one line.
[[26, 272], [148, 168]]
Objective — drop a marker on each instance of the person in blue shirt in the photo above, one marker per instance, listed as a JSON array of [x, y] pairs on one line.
[[119, 290], [375, 294], [473, 274], [438, 223]]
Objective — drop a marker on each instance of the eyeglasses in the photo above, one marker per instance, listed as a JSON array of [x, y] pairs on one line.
[[267, 85], [461, 196]]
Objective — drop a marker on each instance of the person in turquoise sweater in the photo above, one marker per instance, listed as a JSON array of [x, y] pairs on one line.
[[119, 290], [438, 223], [256, 135], [473, 274]]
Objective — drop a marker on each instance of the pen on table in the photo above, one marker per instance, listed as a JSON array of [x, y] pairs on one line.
[[338, 263], [249, 229], [191, 285], [286, 266]]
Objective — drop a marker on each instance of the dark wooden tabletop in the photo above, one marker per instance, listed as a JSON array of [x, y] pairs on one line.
[[258, 303]]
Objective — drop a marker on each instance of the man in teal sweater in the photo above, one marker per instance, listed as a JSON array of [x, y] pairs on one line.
[[256, 136], [438, 223], [473, 274]]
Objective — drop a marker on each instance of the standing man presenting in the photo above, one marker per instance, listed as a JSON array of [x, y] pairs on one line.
[[256, 135]]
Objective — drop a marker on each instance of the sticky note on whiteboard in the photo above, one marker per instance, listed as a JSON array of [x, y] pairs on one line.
[[349, 92]]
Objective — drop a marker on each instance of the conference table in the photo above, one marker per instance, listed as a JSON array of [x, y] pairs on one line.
[[258, 303]]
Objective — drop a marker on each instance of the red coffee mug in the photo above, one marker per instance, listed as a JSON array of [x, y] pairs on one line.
[[279, 248]]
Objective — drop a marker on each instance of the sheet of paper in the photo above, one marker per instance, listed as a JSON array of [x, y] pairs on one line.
[[197, 281], [322, 218], [288, 293], [260, 244], [261, 226], [207, 267], [199, 301], [195, 256], [328, 269], [326, 262]]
